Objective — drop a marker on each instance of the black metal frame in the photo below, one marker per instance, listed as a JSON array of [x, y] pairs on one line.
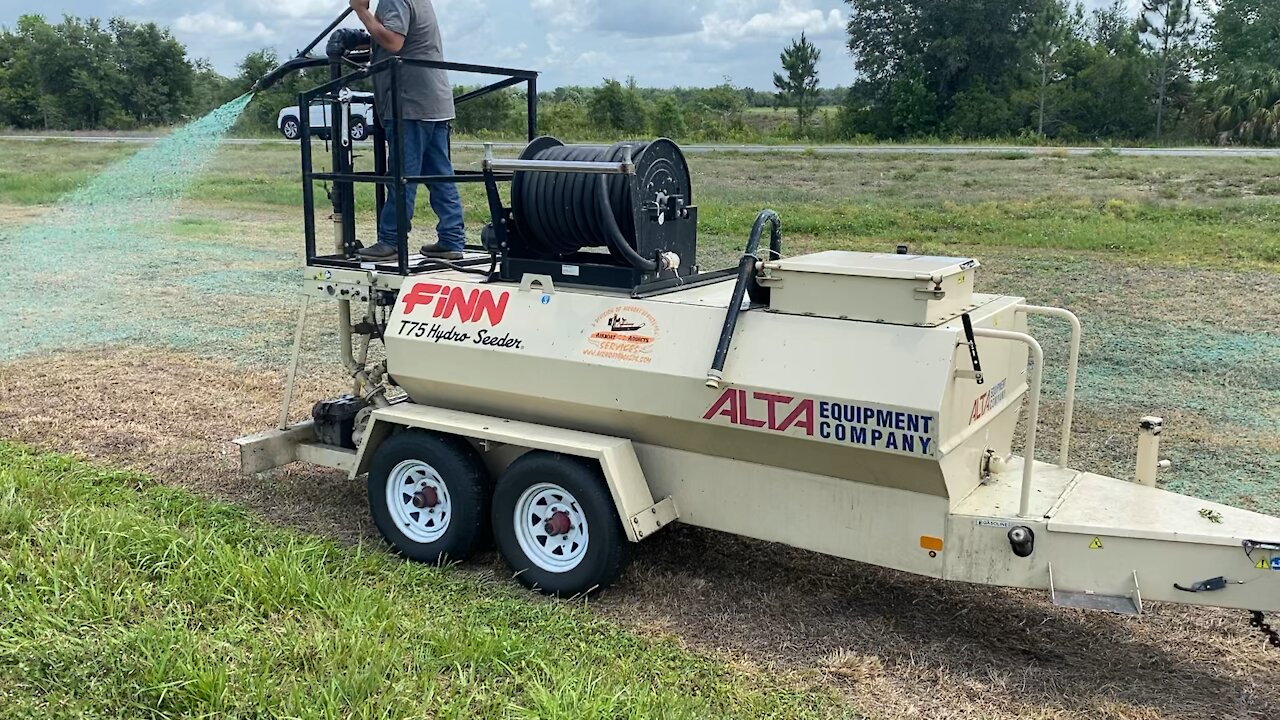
[[388, 174], [344, 177]]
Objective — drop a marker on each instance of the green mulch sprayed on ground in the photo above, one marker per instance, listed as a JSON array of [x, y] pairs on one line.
[[101, 266], [1229, 377], [121, 598]]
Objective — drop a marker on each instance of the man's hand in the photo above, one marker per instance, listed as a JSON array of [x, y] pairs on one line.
[[392, 41]]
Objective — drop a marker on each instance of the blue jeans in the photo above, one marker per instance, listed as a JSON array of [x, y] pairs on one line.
[[426, 152]]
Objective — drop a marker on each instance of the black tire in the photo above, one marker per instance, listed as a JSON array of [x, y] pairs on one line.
[[358, 130], [464, 493], [606, 547], [290, 125]]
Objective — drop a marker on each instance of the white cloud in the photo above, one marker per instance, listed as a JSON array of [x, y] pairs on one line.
[[787, 18], [219, 25], [594, 59], [566, 14], [305, 9], [652, 18]]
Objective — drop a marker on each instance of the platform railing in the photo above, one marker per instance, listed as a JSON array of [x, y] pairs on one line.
[[1073, 364], [1033, 409], [1035, 381], [390, 179]]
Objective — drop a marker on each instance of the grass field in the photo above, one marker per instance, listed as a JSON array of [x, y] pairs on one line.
[[151, 350], [128, 599]]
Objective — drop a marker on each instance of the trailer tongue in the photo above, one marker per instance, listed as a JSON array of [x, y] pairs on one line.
[[579, 382]]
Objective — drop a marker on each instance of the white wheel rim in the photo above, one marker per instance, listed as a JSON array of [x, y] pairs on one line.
[[290, 129], [415, 480], [539, 506]]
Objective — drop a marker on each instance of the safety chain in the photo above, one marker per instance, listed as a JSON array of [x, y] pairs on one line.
[[1260, 622]]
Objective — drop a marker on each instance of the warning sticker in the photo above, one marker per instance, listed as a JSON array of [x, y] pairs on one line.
[[1096, 544], [1262, 564]]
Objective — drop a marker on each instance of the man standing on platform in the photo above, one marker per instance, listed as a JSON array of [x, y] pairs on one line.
[[408, 28]]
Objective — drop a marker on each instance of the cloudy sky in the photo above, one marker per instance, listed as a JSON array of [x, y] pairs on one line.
[[572, 42]]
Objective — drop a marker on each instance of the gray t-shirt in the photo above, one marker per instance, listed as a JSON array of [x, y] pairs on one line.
[[425, 93]]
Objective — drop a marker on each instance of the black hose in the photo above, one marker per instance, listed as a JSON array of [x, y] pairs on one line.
[[493, 266], [611, 232], [746, 276], [560, 213]]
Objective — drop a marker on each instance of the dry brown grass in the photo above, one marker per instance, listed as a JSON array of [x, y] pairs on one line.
[[897, 645], [172, 416]]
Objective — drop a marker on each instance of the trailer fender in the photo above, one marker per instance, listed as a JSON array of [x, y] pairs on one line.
[[641, 516]]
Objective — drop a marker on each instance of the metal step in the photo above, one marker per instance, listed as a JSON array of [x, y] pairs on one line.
[[1093, 601], [1130, 604]]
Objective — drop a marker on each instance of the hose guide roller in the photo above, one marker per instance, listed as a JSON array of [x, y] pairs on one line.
[[619, 216]]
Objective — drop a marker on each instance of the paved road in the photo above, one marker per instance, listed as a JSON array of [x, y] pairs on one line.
[[792, 149]]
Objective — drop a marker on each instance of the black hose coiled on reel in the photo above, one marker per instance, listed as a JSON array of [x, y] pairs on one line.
[[558, 213]]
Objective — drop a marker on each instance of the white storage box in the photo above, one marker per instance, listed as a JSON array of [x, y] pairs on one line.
[[874, 287]]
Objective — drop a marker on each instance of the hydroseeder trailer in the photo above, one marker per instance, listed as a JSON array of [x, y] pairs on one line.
[[578, 382]]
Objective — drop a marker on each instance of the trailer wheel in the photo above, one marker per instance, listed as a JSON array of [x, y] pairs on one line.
[[429, 496], [555, 524]]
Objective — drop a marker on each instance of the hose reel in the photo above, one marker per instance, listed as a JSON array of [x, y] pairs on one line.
[[645, 219]]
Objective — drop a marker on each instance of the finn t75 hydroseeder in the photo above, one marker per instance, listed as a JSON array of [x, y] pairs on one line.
[[578, 382]]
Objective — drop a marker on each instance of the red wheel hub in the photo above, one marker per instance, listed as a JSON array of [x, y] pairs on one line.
[[558, 523], [427, 497]]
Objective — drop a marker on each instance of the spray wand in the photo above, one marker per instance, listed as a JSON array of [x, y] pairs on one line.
[[304, 58]]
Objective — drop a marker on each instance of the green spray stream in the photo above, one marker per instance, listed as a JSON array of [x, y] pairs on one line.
[[98, 268]]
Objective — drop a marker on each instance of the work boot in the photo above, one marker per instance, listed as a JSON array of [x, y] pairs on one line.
[[377, 251], [440, 252]]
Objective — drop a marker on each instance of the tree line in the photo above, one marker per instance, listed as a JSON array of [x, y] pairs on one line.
[[1033, 70], [82, 74], [1047, 68]]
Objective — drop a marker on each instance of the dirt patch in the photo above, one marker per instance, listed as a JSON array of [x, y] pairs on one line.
[[907, 646], [14, 215], [172, 416], [898, 645]]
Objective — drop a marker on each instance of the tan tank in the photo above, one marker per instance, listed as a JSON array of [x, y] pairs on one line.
[[849, 421]]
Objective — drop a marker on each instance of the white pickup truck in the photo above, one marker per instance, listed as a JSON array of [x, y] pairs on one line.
[[289, 120]]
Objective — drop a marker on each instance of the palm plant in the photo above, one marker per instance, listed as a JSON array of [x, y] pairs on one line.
[[1245, 107]]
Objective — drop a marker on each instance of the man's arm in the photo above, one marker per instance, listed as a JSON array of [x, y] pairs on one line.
[[390, 40]]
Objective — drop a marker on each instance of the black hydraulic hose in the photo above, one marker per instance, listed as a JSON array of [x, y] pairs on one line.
[[614, 235], [493, 266], [746, 269]]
